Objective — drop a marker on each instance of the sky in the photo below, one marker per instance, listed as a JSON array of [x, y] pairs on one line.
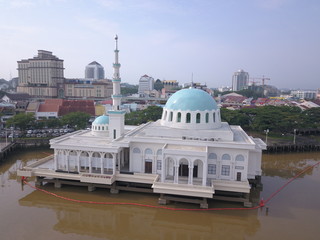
[[201, 40]]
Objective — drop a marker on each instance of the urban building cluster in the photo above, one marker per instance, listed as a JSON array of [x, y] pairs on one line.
[[189, 153], [43, 77]]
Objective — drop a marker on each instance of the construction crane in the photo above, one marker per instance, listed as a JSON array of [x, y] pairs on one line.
[[253, 82], [263, 79]]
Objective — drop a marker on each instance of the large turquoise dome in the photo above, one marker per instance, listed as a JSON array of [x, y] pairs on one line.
[[191, 99], [101, 120]]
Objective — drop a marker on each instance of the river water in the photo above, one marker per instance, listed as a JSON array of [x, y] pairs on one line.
[[30, 214]]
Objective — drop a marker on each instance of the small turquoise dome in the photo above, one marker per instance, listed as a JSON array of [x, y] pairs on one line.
[[191, 99], [101, 120]]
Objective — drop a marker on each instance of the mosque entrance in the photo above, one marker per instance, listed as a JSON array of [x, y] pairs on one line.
[[148, 166], [238, 176], [184, 170]]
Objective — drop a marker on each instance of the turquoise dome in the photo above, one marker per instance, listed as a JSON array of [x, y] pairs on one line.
[[191, 99], [101, 120]]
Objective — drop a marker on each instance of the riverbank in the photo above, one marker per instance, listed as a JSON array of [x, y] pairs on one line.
[[288, 142]]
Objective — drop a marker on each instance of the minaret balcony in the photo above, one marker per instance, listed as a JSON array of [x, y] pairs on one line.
[[117, 96], [116, 65], [116, 80]]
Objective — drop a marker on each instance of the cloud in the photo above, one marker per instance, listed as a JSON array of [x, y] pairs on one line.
[[19, 29], [110, 4], [272, 4], [21, 3], [99, 26]]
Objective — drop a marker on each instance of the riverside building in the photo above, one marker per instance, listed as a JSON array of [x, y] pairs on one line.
[[188, 153]]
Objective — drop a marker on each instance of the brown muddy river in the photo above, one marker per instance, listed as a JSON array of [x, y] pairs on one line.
[[26, 213]]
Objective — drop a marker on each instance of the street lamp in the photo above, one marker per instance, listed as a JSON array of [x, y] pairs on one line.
[[266, 131], [294, 136]]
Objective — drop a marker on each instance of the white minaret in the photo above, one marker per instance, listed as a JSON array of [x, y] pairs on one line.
[[116, 97], [116, 116]]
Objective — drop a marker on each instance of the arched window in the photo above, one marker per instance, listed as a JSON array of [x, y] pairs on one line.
[[148, 151], [212, 156], [171, 116], [136, 150], [240, 158], [226, 157], [179, 117], [102, 128], [214, 117], [207, 117], [159, 152], [188, 118], [198, 118], [99, 128]]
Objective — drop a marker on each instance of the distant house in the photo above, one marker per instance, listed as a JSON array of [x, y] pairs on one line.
[[233, 100], [53, 108], [16, 97]]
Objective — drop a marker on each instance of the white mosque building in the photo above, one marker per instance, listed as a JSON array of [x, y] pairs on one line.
[[189, 152]]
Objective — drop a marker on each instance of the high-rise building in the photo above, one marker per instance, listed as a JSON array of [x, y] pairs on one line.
[[146, 84], [41, 75], [94, 71], [240, 80]]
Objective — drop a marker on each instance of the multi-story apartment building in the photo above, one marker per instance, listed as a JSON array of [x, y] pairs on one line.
[[304, 94], [146, 84], [94, 71], [41, 75], [87, 89], [240, 80]]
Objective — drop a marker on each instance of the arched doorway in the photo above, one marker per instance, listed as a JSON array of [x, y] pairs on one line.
[[183, 168], [148, 160]]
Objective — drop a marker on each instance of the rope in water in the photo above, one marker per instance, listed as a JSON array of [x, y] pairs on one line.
[[261, 204]]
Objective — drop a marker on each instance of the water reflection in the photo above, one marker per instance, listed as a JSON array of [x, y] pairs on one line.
[[130, 222], [288, 165]]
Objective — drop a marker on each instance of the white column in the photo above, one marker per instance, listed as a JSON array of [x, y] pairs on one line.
[[101, 162], [122, 158], [190, 176], [55, 157], [176, 174], [67, 160], [78, 160], [204, 174], [163, 169], [90, 162], [114, 163]]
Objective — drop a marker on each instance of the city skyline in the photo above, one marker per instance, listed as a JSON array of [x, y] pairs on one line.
[[169, 40]]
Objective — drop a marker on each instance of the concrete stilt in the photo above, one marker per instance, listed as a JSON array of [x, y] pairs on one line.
[[113, 189], [38, 182], [204, 204], [57, 184], [91, 188]]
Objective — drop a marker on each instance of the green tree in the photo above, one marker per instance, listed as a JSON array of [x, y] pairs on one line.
[[21, 120], [311, 118], [152, 113], [125, 91], [158, 85], [53, 122], [78, 120]]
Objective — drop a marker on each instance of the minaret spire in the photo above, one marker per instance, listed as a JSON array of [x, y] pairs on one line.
[[116, 116], [116, 97]]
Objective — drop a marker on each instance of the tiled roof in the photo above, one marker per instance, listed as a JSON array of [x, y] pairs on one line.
[[18, 96], [48, 108]]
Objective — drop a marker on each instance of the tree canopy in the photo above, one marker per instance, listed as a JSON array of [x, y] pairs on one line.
[[77, 120], [21, 120], [152, 113], [281, 119]]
